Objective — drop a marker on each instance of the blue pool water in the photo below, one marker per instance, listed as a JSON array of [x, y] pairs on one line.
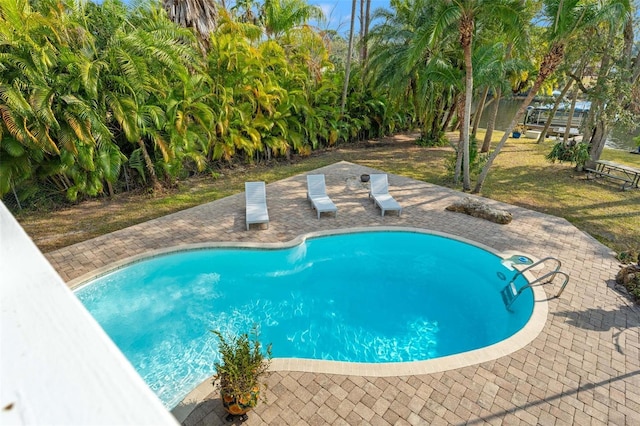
[[359, 297]]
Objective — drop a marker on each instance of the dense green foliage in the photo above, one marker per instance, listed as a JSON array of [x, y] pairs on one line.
[[102, 98], [99, 99], [575, 153]]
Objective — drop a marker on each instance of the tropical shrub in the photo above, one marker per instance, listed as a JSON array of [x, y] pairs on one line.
[[575, 153], [101, 98]]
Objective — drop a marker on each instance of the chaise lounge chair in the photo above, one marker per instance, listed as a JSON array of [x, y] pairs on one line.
[[380, 194], [256, 203], [317, 194]]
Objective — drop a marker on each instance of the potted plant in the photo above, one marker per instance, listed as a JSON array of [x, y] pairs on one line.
[[518, 131], [239, 373]]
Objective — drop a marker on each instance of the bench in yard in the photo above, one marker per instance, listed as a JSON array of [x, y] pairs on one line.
[[598, 173]]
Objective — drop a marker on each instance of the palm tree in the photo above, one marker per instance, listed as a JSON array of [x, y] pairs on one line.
[[140, 121], [420, 80], [566, 19], [347, 70], [190, 120], [280, 16], [146, 59], [365, 34], [201, 15], [466, 13], [245, 11], [48, 88]]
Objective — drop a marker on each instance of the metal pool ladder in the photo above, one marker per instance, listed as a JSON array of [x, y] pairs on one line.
[[510, 293]]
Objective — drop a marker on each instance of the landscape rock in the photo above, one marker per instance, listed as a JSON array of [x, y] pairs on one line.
[[478, 208], [629, 278], [628, 274]]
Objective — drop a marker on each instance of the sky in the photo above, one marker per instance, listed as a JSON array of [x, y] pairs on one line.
[[338, 12]]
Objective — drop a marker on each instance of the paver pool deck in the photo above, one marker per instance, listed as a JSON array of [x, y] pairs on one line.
[[582, 368]]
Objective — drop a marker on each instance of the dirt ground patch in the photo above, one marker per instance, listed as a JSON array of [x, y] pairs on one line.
[[520, 176]]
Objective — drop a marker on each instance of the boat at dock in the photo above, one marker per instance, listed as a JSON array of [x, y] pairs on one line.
[[537, 117], [540, 115], [620, 137]]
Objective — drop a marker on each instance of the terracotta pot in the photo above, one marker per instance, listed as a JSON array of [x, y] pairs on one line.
[[239, 406]]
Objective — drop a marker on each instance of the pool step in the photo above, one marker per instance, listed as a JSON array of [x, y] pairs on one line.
[[509, 294]]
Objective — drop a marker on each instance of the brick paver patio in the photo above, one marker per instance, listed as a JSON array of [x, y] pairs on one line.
[[583, 368]]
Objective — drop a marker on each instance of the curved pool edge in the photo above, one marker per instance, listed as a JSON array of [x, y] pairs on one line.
[[519, 340], [489, 353], [114, 266]]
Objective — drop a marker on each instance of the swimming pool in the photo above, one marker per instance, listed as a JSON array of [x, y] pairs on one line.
[[382, 296]]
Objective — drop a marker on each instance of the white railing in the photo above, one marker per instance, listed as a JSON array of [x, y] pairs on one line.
[[57, 365]]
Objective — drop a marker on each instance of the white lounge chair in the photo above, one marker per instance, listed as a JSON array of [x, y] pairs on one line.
[[380, 193], [317, 194], [256, 203]]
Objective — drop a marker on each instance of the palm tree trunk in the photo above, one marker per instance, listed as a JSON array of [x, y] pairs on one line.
[[450, 114], [110, 188], [491, 124], [549, 64], [436, 130], [545, 129], [126, 178], [361, 30], [466, 34], [479, 111], [567, 129], [202, 16], [64, 181], [365, 46], [347, 70], [459, 147], [155, 183]]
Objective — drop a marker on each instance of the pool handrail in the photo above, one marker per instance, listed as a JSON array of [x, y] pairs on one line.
[[510, 293]]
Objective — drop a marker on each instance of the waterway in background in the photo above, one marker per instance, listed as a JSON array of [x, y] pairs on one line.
[[618, 139]]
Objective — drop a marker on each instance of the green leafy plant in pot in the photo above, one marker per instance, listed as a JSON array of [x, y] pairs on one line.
[[239, 373]]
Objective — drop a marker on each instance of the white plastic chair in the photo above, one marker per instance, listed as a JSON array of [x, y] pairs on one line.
[[380, 193], [256, 203], [317, 195]]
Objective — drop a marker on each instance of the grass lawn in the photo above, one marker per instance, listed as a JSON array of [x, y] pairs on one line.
[[520, 175]]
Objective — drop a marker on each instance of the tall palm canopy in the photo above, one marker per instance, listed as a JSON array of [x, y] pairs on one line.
[[201, 15], [282, 15], [467, 14], [566, 20], [106, 97]]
